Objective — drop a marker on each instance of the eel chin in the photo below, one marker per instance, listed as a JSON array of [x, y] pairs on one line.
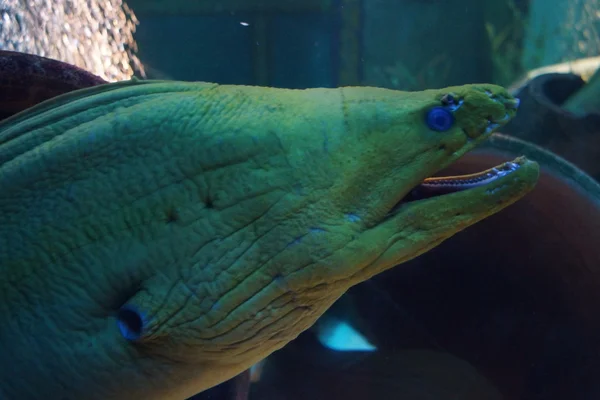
[[438, 186]]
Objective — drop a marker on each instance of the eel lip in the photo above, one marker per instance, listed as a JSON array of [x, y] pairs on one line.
[[439, 186]]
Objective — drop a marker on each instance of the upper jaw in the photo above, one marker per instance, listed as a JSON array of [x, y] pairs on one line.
[[488, 123]]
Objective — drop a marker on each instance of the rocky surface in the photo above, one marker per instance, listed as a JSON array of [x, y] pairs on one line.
[[92, 34]]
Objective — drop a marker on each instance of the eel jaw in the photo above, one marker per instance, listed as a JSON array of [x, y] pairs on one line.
[[440, 186], [419, 223]]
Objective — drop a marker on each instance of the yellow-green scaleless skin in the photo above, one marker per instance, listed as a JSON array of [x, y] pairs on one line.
[[228, 217]]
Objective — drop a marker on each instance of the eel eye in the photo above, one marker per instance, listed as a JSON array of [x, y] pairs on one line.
[[439, 119], [130, 322]]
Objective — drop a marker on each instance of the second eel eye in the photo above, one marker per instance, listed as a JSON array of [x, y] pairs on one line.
[[439, 119]]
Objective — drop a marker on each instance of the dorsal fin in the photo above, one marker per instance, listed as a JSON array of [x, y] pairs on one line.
[[28, 129], [69, 97]]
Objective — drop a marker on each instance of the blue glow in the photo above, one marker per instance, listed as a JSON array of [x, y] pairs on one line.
[[215, 306], [352, 217], [440, 119], [340, 336], [295, 242]]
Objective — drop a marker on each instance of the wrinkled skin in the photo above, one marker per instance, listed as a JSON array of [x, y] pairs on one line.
[[157, 238]]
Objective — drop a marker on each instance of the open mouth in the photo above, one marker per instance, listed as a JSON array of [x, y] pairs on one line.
[[439, 186]]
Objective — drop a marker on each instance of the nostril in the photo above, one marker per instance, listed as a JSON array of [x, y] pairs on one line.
[[512, 104], [130, 323]]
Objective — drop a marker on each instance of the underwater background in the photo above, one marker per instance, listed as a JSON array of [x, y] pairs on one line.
[[509, 309]]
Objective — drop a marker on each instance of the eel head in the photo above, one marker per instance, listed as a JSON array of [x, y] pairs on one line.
[[400, 210]]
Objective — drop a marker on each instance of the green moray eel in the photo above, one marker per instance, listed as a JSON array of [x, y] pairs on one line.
[[158, 238]]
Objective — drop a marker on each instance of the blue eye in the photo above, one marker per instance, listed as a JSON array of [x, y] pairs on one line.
[[439, 119], [130, 322]]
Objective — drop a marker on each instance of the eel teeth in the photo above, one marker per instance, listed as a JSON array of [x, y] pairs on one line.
[[437, 186]]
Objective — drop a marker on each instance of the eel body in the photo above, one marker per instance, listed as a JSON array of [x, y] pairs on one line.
[[158, 238]]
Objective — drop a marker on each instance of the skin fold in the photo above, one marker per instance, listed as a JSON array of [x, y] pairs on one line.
[[158, 238]]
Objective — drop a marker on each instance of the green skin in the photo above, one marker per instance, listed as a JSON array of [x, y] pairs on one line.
[[229, 217]]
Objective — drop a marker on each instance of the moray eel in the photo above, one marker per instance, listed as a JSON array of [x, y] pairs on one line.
[[158, 238], [28, 79]]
